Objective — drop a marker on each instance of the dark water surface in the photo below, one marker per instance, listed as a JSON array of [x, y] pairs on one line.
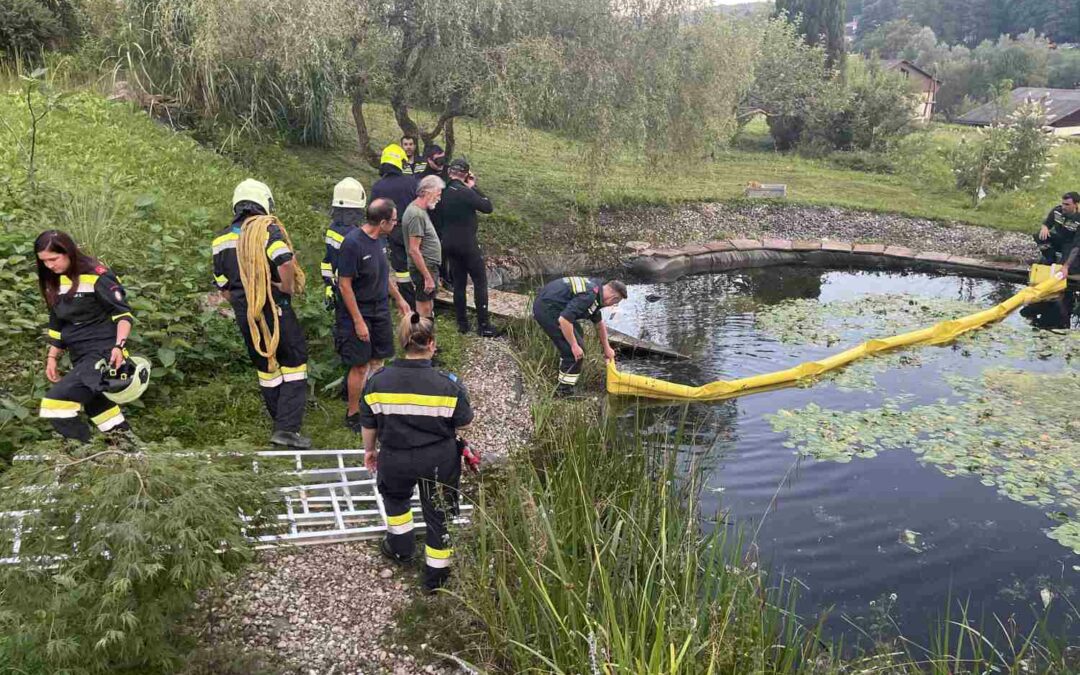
[[840, 528]]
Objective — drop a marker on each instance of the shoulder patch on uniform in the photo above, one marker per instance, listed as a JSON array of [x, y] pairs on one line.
[[100, 269], [450, 376]]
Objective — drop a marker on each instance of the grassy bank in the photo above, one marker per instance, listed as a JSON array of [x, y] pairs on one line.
[[540, 183], [147, 201]]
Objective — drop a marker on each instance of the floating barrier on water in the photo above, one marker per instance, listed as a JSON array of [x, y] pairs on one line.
[[628, 384]]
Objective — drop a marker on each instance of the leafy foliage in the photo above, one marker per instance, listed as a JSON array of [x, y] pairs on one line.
[[113, 549], [870, 109], [28, 27], [821, 22], [1008, 155]]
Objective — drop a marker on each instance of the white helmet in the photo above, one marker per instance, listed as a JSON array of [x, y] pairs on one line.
[[251, 190], [349, 194]]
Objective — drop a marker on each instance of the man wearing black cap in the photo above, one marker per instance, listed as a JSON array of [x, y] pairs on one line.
[[435, 157], [461, 201]]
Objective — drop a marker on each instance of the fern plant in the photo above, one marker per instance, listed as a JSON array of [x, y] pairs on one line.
[[112, 550]]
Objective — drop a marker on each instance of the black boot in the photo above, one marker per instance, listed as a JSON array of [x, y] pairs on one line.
[[290, 439]]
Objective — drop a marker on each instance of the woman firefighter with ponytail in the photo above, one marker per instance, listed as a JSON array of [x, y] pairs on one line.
[[89, 317], [254, 264]]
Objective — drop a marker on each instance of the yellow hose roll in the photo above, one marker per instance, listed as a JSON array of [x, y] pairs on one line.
[[650, 387]]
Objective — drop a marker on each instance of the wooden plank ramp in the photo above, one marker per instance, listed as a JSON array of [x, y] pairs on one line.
[[517, 306]]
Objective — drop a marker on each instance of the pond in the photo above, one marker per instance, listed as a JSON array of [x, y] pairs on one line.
[[900, 482]]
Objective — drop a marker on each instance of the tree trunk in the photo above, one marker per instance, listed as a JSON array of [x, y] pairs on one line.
[[362, 136], [448, 133]]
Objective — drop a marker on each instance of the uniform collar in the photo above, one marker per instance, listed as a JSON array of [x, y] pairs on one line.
[[412, 363]]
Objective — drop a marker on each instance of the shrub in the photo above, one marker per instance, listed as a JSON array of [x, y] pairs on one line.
[[27, 27], [114, 548], [869, 110], [1009, 154]]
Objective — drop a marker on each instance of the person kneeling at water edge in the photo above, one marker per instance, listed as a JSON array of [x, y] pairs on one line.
[[90, 318], [254, 266], [364, 334], [1056, 238], [415, 413], [560, 305]]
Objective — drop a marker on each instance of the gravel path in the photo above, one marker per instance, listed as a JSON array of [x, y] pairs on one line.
[[320, 609], [698, 223], [497, 393], [331, 609]]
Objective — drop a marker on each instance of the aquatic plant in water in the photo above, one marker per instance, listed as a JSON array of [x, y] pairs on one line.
[[1006, 427]]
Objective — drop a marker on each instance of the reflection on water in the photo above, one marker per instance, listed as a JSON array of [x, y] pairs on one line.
[[859, 531]]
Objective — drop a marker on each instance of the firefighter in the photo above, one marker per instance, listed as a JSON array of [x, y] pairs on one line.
[[346, 214], [414, 163], [415, 413], [461, 201], [254, 265], [89, 317], [364, 331], [400, 189], [560, 305], [1056, 237]]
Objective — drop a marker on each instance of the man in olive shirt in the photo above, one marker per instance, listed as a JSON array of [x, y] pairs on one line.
[[422, 243]]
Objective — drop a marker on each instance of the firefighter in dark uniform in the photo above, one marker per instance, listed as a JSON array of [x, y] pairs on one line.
[[414, 164], [256, 245], [400, 189], [415, 413], [456, 225], [1056, 237], [558, 308], [89, 317], [346, 215]]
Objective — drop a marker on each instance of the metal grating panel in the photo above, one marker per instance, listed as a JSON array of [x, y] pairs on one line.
[[333, 501]]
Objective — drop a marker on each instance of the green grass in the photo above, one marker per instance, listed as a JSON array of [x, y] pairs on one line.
[[148, 201], [540, 183]]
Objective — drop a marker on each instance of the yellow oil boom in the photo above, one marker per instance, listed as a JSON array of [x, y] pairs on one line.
[[1044, 286]]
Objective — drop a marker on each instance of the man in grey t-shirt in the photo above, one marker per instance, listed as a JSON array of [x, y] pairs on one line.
[[422, 243]]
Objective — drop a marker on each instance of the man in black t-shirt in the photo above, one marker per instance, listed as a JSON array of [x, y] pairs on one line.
[[1056, 236], [364, 334]]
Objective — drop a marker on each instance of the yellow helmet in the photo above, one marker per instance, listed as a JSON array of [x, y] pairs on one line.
[[251, 190], [349, 194], [393, 155]]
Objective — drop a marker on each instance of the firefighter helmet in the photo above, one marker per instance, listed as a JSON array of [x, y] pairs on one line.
[[349, 194], [126, 383], [393, 155], [251, 190]]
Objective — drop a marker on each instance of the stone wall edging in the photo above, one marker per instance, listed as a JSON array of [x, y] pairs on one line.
[[728, 255]]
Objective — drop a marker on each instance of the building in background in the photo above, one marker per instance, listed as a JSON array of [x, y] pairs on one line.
[[925, 85], [1062, 114]]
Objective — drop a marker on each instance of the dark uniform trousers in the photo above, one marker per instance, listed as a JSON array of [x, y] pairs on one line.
[[437, 470], [80, 389], [547, 316], [1059, 243], [463, 265], [284, 390]]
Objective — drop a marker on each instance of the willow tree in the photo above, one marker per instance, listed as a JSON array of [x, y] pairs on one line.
[[633, 72]]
